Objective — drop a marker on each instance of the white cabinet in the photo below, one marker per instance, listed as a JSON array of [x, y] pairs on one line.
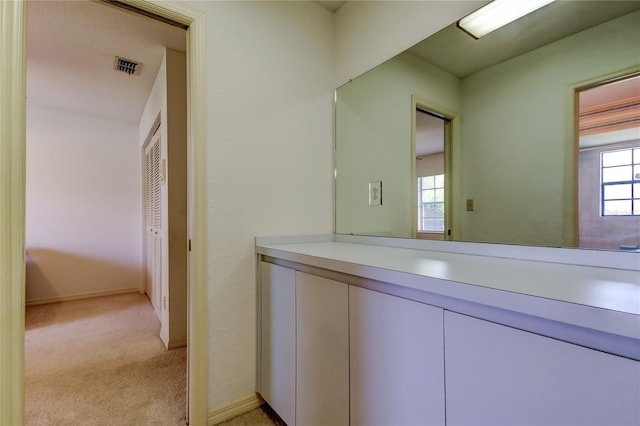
[[338, 354], [498, 375], [397, 360], [322, 351], [278, 340]]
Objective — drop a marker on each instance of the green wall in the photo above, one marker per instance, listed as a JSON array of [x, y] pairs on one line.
[[517, 132], [373, 142], [514, 157]]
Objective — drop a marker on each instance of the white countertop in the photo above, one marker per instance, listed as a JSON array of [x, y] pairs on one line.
[[596, 297]]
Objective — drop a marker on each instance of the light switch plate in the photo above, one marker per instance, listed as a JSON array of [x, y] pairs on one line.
[[469, 205], [375, 193]]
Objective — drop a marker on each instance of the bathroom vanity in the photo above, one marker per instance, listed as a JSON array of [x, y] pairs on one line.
[[368, 330]]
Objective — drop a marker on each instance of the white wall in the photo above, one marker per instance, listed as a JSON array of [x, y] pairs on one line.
[[83, 204], [272, 71], [167, 101], [269, 159]]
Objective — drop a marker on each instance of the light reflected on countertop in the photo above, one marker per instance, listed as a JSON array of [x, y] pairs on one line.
[[616, 295], [431, 267]]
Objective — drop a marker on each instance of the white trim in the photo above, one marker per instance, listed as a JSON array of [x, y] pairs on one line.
[[451, 165], [198, 339], [12, 193], [572, 256], [12, 210], [82, 296], [198, 270], [234, 409], [293, 239], [177, 344]]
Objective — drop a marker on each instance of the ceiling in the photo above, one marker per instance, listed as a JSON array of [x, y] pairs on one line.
[[71, 47], [627, 89], [429, 134], [455, 51], [330, 5], [616, 91], [70, 57]]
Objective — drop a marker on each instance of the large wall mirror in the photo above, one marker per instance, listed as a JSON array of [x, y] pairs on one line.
[[529, 135]]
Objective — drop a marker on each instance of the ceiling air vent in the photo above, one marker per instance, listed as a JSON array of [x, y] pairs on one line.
[[126, 65]]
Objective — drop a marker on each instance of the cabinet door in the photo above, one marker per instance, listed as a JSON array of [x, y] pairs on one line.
[[498, 375], [396, 354], [322, 319], [278, 339]]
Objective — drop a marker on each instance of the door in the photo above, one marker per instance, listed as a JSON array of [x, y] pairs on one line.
[[396, 360], [432, 194], [278, 339], [608, 165], [153, 222], [497, 375], [322, 351]]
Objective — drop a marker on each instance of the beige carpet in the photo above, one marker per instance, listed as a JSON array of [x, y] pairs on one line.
[[100, 362]]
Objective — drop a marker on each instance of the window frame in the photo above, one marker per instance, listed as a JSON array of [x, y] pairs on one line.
[[437, 202], [635, 167]]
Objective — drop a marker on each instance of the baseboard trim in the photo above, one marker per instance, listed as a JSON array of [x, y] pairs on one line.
[[81, 296], [177, 344], [233, 409]]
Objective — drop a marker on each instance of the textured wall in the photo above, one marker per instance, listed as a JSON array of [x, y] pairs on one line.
[[373, 131], [272, 71], [269, 160]]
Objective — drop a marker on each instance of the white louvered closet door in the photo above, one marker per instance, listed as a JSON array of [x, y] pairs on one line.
[[153, 222]]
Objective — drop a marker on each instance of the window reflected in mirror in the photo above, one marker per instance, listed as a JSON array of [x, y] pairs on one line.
[[431, 204], [430, 170], [609, 165]]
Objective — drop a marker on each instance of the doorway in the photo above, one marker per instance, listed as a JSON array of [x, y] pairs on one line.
[[12, 120], [432, 173], [84, 132], [608, 151]]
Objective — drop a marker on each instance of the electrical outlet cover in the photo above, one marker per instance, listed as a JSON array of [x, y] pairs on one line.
[[375, 193]]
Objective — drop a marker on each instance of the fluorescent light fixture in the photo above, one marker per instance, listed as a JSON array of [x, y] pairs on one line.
[[497, 14]]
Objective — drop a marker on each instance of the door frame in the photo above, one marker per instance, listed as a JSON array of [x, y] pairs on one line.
[[451, 162], [12, 204], [571, 211]]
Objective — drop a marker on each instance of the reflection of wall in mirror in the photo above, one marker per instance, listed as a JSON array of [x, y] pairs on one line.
[[515, 136], [524, 101], [373, 114]]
